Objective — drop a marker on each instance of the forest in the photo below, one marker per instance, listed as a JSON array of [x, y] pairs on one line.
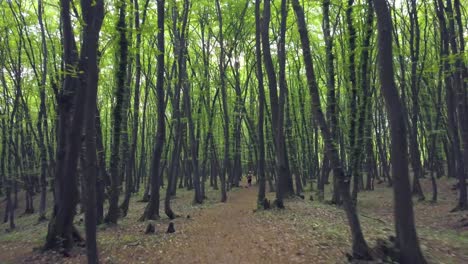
[[233, 131]]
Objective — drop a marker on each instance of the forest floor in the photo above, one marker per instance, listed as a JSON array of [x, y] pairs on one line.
[[305, 232]]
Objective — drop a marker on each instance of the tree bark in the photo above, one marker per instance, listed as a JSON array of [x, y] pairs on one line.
[[222, 76], [61, 230], [116, 167], [152, 208], [42, 116], [413, 133], [283, 186], [360, 248], [404, 216], [93, 16], [261, 106], [331, 100]]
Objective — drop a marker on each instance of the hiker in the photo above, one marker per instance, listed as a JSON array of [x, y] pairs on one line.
[[249, 178]]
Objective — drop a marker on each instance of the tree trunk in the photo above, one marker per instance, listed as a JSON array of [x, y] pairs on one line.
[[102, 177], [71, 114], [113, 212], [360, 149], [283, 182], [93, 16], [404, 217], [458, 101], [42, 117], [413, 133], [222, 76], [331, 100], [128, 152], [261, 106], [152, 208], [354, 159], [360, 248]]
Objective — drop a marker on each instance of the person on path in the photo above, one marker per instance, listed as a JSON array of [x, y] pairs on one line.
[[249, 178]]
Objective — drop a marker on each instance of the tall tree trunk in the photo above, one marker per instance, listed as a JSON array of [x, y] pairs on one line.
[[142, 165], [463, 105], [128, 151], [404, 217], [152, 208], [222, 76], [3, 156], [237, 131], [360, 248], [365, 115], [354, 136], [113, 212], [331, 101], [42, 116], [359, 148], [277, 104], [93, 16], [198, 198], [261, 106], [71, 114], [413, 133], [285, 178], [458, 94], [177, 126], [138, 164]]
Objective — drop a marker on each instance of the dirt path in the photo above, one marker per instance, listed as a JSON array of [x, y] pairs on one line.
[[230, 233], [215, 233], [304, 232]]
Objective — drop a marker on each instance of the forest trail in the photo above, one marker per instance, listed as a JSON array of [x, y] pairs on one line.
[[224, 233], [230, 233], [220, 233]]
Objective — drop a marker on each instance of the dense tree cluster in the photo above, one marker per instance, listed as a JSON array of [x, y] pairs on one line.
[[103, 101]]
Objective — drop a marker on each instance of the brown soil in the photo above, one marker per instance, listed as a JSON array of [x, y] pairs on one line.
[[231, 233], [304, 232]]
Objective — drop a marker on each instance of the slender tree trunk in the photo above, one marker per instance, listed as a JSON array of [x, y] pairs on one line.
[[331, 101], [3, 156], [261, 106], [138, 164], [222, 76], [142, 165], [413, 133], [353, 136], [285, 178], [177, 126], [198, 198], [359, 149], [360, 248], [152, 208], [128, 152], [113, 212], [277, 104], [42, 117], [237, 131], [102, 177]]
